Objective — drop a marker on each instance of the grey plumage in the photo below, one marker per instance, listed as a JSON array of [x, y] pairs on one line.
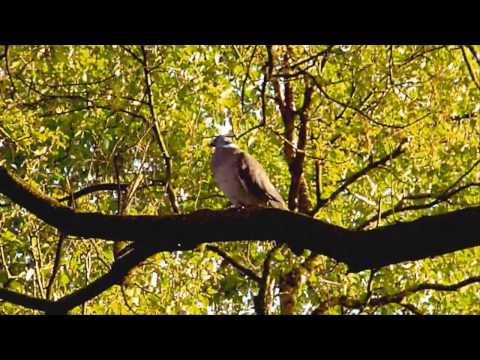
[[242, 178]]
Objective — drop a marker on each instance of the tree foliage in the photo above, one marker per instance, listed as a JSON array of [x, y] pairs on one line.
[[365, 139]]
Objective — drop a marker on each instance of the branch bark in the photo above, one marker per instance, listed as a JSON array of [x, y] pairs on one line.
[[294, 151], [360, 250]]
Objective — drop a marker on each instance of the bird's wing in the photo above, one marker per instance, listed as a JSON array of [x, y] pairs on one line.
[[255, 181]]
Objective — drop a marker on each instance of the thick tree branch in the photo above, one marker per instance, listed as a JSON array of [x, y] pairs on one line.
[[25, 300], [297, 162], [360, 250], [294, 153]]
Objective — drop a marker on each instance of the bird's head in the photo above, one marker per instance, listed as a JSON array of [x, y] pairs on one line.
[[222, 141]]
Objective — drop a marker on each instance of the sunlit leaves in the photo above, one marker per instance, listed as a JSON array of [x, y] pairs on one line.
[[79, 115]]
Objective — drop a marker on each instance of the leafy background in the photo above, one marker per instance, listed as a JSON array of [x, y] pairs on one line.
[[74, 116]]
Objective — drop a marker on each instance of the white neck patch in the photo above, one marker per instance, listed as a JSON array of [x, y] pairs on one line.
[[227, 146]]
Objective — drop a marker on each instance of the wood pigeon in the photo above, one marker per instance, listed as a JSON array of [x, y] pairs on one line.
[[241, 178]]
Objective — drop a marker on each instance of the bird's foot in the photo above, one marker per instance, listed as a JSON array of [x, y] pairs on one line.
[[238, 207]]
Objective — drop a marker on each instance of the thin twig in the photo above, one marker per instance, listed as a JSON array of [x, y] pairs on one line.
[[246, 77], [356, 109], [130, 52], [395, 298], [125, 300], [7, 67], [230, 260], [472, 50], [446, 194], [313, 57], [107, 187], [410, 307], [56, 264], [157, 133], [399, 150], [470, 70]]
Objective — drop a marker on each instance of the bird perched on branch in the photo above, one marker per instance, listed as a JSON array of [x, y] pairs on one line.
[[242, 178]]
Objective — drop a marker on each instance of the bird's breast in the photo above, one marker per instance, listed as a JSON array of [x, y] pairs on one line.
[[225, 172]]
